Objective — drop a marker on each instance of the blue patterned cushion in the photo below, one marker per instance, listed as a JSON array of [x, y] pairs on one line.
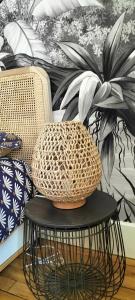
[[9, 142], [16, 189]]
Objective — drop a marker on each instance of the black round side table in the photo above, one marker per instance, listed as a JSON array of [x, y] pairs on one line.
[[73, 254]]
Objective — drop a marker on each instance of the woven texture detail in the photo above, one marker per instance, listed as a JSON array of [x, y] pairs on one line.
[[25, 105], [66, 165]]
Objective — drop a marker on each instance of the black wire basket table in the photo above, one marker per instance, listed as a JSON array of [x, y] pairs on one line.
[[75, 254]]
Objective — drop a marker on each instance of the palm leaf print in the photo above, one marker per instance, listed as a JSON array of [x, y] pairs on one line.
[[19, 177], [18, 191], [7, 170], [6, 198], [16, 207], [18, 165], [10, 223], [7, 183], [2, 217]]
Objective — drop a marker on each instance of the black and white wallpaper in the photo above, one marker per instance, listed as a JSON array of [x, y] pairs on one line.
[[86, 25], [42, 32]]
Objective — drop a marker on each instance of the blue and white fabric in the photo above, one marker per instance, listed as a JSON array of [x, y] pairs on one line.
[[16, 189], [9, 141]]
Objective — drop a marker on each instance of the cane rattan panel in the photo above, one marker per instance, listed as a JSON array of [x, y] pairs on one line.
[[25, 105]]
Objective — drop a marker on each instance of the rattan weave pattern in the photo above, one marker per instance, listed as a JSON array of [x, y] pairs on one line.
[[66, 165], [25, 105]]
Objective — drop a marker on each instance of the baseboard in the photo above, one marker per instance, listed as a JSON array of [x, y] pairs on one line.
[[11, 247], [128, 231], [10, 259]]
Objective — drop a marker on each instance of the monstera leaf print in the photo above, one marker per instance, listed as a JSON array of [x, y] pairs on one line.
[[53, 8], [22, 39]]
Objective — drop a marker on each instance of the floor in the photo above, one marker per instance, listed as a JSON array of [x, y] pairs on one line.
[[13, 286]]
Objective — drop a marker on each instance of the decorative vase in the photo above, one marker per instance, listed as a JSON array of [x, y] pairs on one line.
[[66, 165]]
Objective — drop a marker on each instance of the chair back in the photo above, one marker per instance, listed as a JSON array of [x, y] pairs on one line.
[[25, 105]]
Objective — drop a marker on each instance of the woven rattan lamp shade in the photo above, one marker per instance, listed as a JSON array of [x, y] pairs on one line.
[[25, 105], [66, 165]]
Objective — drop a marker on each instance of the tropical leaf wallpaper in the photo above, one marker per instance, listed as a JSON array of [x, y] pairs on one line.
[[88, 49]]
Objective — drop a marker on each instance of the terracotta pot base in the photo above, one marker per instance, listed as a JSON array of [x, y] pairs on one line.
[[69, 205]]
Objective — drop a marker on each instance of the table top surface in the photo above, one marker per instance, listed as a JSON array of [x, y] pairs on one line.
[[99, 207]]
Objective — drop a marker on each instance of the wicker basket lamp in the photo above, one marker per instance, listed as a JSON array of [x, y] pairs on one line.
[[25, 105], [66, 166]]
